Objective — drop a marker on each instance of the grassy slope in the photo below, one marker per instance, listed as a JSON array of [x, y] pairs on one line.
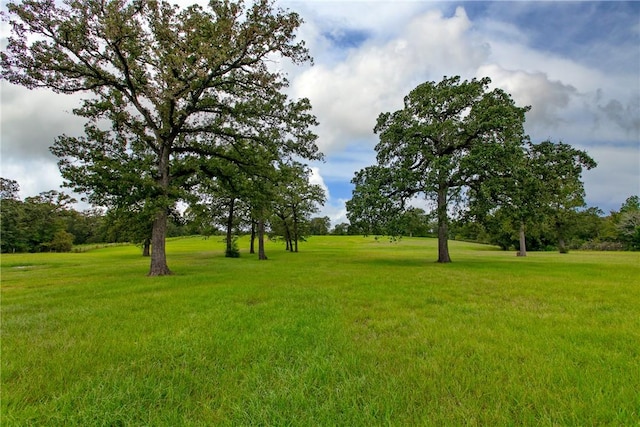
[[350, 331]]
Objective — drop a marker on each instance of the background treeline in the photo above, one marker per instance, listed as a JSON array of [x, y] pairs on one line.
[[48, 222], [588, 229]]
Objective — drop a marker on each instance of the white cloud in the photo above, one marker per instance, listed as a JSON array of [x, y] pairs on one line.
[[333, 208], [348, 96], [561, 112], [33, 176], [623, 117], [382, 18], [336, 211], [316, 179], [546, 97], [616, 177], [31, 119]]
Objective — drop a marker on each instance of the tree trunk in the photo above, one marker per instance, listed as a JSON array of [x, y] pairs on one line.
[[230, 229], [523, 243], [443, 226], [295, 231], [562, 246], [146, 247], [159, 265], [261, 253], [252, 247], [287, 235]]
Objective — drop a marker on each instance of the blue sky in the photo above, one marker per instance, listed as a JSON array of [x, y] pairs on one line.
[[576, 63]]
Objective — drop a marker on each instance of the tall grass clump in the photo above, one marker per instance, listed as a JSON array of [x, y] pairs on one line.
[[349, 331]]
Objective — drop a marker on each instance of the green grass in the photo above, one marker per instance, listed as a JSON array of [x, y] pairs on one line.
[[351, 331]]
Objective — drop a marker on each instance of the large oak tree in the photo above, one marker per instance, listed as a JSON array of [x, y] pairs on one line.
[[449, 137], [176, 85]]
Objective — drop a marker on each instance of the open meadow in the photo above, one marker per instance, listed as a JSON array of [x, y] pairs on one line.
[[350, 331]]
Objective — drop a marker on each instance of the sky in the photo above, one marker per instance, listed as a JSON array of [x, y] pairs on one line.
[[577, 64]]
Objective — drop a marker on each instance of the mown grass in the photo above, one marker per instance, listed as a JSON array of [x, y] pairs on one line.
[[350, 331]]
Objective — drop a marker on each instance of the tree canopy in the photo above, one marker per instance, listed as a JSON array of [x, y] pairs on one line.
[[543, 188], [557, 167]]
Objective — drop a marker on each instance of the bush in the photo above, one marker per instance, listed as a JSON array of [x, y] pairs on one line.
[[595, 245], [62, 242], [233, 251]]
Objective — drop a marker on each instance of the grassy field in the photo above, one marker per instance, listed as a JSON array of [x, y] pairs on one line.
[[351, 331]]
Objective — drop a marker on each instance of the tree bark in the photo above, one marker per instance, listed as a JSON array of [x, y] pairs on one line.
[[287, 235], [159, 265], [295, 231], [522, 251], [443, 226], [261, 253], [562, 246], [230, 228], [252, 247], [146, 247]]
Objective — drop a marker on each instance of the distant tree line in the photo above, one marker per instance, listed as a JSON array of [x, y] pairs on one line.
[[585, 228], [588, 228], [49, 223]]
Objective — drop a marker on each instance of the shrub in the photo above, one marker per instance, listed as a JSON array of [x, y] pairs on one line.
[[62, 242], [233, 251], [595, 245]]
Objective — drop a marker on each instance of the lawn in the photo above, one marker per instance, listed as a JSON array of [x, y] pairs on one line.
[[351, 331]]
